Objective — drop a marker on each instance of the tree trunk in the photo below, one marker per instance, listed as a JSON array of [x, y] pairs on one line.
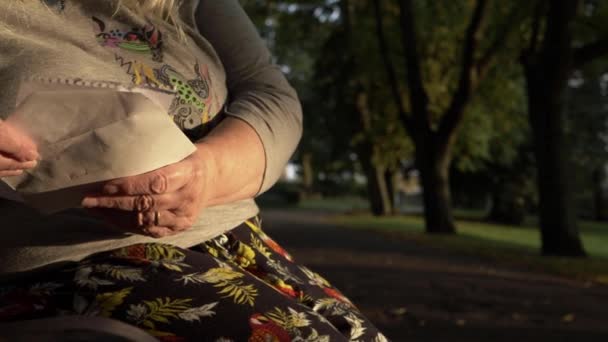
[[557, 215], [508, 206], [379, 197], [433, 163], [598, 194], [546, 72], [384, 203], [377, 189], [308, 175], [389, 177]]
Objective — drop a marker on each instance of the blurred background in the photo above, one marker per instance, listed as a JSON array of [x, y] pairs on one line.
[[452, 177]]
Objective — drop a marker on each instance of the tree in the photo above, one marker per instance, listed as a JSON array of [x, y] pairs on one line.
[[493, 162], [548, 62], [354, 94], [432, 126]]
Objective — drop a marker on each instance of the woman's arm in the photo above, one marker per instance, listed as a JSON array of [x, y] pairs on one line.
[[258, 92], [227, 166], [233, 157], [242, 157]]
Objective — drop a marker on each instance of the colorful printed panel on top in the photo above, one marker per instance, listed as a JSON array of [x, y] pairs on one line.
[[195, 103]]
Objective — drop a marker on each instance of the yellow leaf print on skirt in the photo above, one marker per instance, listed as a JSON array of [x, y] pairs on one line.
[[109, 301], [159, 310], [228, 280]]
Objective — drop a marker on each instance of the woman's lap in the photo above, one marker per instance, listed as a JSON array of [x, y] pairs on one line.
[[239, 286]]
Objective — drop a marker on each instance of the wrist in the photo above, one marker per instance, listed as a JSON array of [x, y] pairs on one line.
[[208, 171], [232, 156]]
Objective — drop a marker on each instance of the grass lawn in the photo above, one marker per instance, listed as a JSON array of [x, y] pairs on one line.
[[340, 204], [336, 205], [503, 244]]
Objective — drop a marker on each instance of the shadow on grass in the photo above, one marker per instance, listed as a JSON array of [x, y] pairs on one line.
[[476, 236], [507, 245]]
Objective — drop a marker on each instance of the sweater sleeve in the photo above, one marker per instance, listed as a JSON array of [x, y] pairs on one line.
[[258, 92]]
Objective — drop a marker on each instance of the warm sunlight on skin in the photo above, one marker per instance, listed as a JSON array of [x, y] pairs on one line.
[[171, 198], [17, 151]]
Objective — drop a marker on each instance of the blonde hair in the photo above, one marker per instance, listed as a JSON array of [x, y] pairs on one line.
[[159, 11]]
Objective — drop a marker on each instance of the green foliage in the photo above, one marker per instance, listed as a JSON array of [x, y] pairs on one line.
[[330, 53], [496, 124], [298, 33], [591, 25], [586, 120], [587, 135], [440, 32], [327, 64]]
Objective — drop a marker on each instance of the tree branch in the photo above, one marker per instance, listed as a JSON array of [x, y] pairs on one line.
[[453, 115], [418, 96], [528, 52], [486, 60], [389, 68], [589, 52]]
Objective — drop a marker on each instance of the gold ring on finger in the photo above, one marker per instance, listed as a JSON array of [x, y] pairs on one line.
[[156, 218]]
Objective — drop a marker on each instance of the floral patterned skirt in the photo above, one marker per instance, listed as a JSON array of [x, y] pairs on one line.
[[240, 286]]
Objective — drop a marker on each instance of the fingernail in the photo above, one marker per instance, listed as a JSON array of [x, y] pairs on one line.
[[89, 202], [110, 189]]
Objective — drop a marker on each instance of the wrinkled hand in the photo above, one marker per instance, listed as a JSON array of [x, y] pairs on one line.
[[17, 151], [158, 203]]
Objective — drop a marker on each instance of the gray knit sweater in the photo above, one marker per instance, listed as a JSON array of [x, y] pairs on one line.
[[223, 68]]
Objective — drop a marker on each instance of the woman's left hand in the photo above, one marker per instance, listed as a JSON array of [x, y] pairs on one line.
[[160, 203]]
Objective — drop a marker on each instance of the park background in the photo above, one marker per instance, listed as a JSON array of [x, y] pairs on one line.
[[452, 175]]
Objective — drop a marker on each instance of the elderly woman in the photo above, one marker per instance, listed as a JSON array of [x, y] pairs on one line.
[[196, 264]]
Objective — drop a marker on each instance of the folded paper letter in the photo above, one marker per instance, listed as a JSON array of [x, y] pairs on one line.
[[88, 135]]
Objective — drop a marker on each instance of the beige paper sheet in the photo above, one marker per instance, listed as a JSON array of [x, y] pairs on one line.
[[88, 135]]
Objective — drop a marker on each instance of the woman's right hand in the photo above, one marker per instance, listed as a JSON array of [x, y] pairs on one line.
[[17, 151]]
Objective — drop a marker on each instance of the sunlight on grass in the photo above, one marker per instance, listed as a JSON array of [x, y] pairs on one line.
[[506, 244]]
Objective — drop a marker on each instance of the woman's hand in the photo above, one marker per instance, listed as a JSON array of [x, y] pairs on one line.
[[228, 166], [17, 151], [158, 203]]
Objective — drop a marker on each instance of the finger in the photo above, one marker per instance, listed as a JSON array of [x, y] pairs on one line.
[[168, 179], [11, 173], [9, 164], [16, 143], [133, 203], [159, 232], [165, 218], [153, 226]]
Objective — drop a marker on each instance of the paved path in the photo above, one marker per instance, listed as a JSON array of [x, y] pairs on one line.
[[414, 293]]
